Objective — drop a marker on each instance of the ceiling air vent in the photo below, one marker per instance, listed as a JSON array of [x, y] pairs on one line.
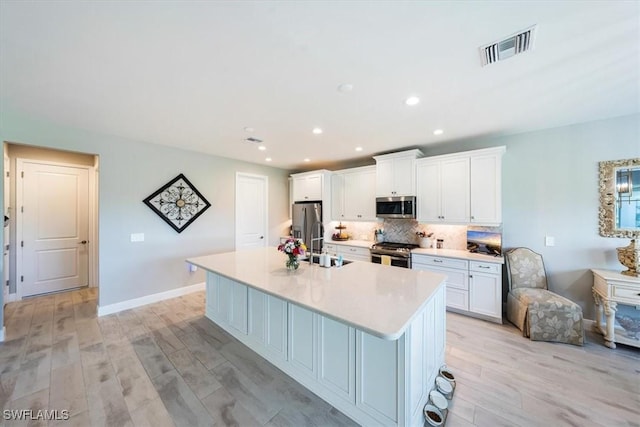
[[508, 47]]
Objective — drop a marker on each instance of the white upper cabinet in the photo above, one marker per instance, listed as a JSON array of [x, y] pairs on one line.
[[395, 174], [486, 188], [461, 188], [353, 193], [307, 187], [313, 186]]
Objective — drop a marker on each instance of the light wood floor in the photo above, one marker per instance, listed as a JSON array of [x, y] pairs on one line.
[[166, 364]]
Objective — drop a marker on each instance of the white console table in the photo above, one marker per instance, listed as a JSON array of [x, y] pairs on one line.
[[610, 289]]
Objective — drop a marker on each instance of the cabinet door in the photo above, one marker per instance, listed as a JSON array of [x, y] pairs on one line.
[[299, 188], [457, 298], [384, 177], [337, 197], [302, 340], [257, 315], [486, 191], [404, 176], [336, 357], [428, 192], [211, 305], [454, 175], [307, 187], [276, 326], [238, 307], [225, 287], [377, 377], [485, 294], [314, 187], [359, 195]]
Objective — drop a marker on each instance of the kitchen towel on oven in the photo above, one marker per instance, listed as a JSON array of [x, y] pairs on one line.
[[385, 260]]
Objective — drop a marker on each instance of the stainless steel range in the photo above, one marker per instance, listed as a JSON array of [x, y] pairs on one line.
[[399, 253]]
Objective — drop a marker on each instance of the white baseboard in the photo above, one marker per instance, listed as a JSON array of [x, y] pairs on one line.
[[11, 298], [137, 302], [2, 331]]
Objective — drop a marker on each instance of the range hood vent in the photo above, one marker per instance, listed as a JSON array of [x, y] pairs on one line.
[[515, 44]]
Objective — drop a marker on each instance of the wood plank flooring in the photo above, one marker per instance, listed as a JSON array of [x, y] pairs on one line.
[[165, 364]]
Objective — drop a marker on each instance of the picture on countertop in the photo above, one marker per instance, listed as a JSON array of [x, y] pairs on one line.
[[484, 242]]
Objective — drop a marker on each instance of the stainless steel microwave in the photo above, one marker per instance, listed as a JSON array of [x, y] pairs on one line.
[[396, 207]]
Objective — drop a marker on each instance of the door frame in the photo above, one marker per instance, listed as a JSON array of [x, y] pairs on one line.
[[92, 220], [265, 179]]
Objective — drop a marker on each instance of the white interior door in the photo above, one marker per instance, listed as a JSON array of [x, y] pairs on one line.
[[54, 227], [251, 211], [7, 229]]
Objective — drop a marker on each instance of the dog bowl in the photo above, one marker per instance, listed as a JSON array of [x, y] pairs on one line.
[[433, 415]]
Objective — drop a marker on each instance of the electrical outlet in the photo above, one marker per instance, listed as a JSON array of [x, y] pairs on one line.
[[137, 237], [549, 241], [193, 268]]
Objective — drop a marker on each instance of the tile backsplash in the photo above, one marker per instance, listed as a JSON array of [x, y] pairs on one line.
[[404, 231]]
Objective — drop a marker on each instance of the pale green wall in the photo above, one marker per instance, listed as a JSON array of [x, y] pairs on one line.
[[129, 172], [550, 187]]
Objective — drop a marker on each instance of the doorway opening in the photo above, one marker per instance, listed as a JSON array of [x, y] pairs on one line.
[[51, 220]]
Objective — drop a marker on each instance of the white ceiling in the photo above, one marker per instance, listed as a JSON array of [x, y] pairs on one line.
[[195, 74]]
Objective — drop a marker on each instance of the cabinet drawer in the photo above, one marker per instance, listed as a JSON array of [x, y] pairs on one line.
[[441, 262], [353, 250], [485, 267], [331, 249], [458, 279], [629, 294]]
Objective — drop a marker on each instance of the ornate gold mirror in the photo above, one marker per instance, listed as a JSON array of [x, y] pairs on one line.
[[619, 214]]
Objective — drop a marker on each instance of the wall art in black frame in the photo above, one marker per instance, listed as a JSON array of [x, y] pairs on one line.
[[178, 203]]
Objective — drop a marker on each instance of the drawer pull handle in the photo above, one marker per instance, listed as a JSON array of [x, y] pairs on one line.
[[484, 266], [437, 260]]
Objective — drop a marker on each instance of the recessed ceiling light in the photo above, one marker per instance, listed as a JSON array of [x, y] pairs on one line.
[[268, 159], [412, 100], [358, 148], [249, 129], [262, 147], [307, 160], [317, 131], [345, 87], [438, 132]]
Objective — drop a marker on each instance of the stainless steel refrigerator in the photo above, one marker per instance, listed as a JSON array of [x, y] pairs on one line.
[[307, 224]]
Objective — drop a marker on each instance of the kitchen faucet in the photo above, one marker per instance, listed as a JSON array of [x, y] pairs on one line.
[[313, 239]]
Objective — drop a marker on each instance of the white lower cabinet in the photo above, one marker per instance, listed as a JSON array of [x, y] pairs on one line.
[[351, 253], [267, 320], [473, 287], [374, 381], [336, 357], [302, 340], [377, 377], [485, 289]]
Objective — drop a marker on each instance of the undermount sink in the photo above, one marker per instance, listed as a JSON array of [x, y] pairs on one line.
[[316, 259]]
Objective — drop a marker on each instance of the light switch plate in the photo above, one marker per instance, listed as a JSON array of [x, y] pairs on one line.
[[549, 241], [137, 237]]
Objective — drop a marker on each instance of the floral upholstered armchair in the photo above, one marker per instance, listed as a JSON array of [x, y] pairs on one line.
[[539, 313]]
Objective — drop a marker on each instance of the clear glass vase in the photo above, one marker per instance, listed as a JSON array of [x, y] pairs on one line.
[[292, 262]]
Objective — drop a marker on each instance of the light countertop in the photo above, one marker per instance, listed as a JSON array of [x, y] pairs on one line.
[[454, 253], [378, 299], [357, 243]]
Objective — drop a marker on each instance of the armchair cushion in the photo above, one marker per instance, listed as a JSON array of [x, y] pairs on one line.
[[545, 316]]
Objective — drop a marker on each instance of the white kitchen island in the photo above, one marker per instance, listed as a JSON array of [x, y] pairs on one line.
[[369, 339]]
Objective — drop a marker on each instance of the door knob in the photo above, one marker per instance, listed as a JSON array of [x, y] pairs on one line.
[[84, 242], [262, 237]]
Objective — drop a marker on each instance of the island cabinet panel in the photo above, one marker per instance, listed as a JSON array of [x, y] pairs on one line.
[[302, 340], [277, 326], [267, 322], [336, 357], [377, 377], [238, 306]]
